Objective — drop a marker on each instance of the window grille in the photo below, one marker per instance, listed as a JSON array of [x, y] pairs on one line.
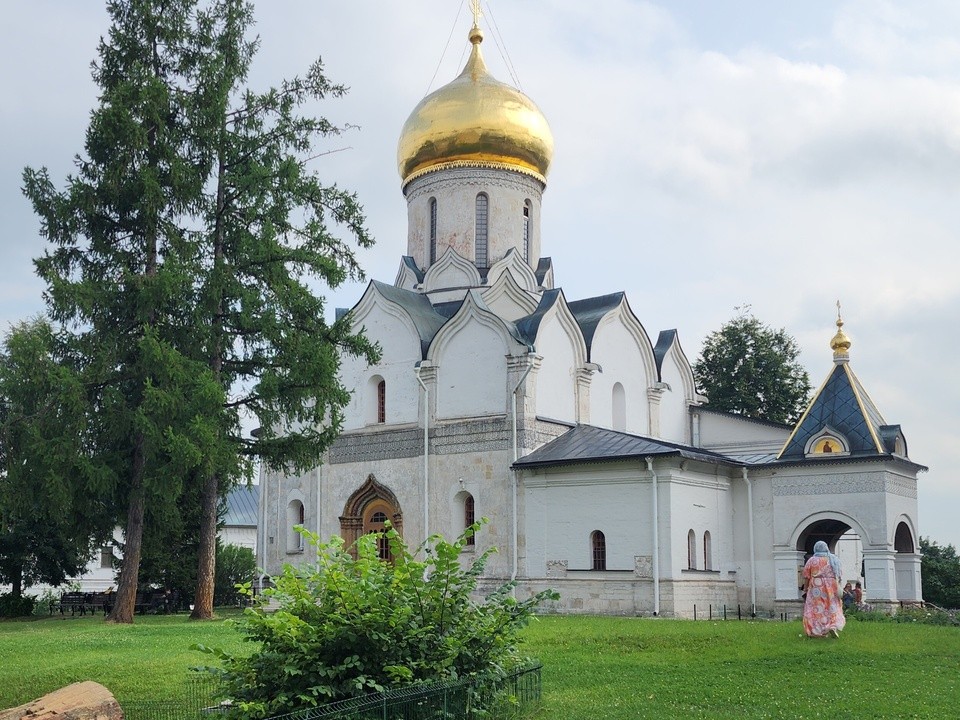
[[483, 205]]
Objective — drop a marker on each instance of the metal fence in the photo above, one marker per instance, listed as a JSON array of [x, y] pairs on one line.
[[515, 695]]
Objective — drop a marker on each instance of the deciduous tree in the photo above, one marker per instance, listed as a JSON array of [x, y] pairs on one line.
[[940, 573], [749, 368], [53, 510]]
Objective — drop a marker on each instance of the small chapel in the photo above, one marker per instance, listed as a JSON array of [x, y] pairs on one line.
[[603, 472]]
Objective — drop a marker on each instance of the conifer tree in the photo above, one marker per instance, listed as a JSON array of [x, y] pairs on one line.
[[122, 271], [185, 253], [268, 236]]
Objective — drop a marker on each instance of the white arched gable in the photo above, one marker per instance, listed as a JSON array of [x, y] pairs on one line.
[[514, 264], [406, 277], [677, 374], [388, 324], [622, 349], [508, 300], [451, 271], [561, 345], [470, 353]]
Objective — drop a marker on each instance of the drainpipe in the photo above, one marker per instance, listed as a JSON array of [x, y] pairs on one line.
[[426, 455], [753, 560], [516, 454], [656, 541], [262, 530]]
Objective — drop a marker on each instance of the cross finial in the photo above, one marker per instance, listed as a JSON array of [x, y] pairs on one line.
[[475, 7], [839, 318]]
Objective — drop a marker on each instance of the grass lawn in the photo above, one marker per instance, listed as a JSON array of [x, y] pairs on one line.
[[596, 668]]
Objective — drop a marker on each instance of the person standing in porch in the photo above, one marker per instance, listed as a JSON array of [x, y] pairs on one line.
[[823, 605]]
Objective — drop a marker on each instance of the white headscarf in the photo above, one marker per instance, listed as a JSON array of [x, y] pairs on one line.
[[820, 549]]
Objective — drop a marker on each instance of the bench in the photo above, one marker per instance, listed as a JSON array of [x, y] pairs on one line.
[[81, 603]]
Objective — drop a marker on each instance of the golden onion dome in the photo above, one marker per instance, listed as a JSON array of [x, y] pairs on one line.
[[475, 120], [840, 343]]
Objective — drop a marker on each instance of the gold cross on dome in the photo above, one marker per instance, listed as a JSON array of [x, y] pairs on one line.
[[475, 8]]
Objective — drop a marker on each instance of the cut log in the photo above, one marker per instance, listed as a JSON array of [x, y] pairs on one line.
[[80, 701]]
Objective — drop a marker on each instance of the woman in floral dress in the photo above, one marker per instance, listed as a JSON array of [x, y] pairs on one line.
[[823, 607]]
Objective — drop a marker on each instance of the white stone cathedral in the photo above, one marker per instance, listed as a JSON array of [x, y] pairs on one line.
[[604, 474]]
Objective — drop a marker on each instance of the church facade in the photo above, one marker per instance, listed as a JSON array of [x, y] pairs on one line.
[[604, 474]]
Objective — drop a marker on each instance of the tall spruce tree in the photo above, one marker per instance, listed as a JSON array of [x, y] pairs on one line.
[[185, 253], [268, 239], [122, 270]]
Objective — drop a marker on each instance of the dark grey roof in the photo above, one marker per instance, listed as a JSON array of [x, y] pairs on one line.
[[426, 320], [528, 326], [664, 341], [242, 506], [589, 444], [590, 311], [412, 266], [841, 404], [543, 267]]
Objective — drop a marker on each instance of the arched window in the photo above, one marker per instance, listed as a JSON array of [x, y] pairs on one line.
[[295, 516], [382, 401], [433, 230], [526, 231], [469, 517], [480, 250], [707, 551], [691, 550], [375, 401], [598, 550], [619, 407], [903, 540]]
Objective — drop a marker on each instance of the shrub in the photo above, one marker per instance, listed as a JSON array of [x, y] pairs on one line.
[[12, 606], [235, 566], [46, 602], [349, 626]]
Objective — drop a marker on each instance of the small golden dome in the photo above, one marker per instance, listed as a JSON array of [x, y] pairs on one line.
[[840, 344], [475, 120]]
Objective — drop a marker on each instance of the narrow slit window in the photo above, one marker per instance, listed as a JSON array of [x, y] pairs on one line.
[[382, 401], [469, 517], [483, 207], [433, 230], [526, 231], [707, 551], [691, 550]]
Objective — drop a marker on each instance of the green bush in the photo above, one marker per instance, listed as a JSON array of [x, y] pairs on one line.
[[348, 626], [235, 566], [12, 606], [46, 602]]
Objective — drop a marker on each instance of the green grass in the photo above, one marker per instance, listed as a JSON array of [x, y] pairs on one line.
[[596, 668], [616, 668], [146, 661]]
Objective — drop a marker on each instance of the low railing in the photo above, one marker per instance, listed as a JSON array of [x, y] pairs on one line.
[[514, 695]]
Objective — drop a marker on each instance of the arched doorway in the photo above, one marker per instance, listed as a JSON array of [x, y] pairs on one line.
[[368, 510], [906, 564]]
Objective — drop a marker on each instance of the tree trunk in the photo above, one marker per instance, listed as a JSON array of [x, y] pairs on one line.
[[16, 582], [126, 600], [207, 552]]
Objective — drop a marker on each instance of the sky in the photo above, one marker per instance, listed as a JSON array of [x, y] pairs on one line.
[[709, 155]]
